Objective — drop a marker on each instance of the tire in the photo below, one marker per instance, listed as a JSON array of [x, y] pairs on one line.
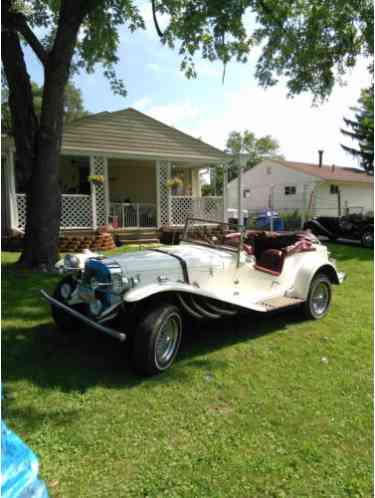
[[318, 301], [148, 355], [65, 323], [367, 238]]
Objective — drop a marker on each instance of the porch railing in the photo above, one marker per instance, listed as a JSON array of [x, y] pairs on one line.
[[135, 214], [208, 207], [75, 211]]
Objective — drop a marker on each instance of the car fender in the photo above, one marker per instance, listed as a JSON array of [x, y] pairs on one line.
[[307, 272]]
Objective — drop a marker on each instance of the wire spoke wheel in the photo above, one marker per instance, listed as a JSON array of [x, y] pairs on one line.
[[320, 298], [167, 340]]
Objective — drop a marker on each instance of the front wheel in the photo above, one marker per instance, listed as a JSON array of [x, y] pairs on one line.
[[157, 340], [319, 299], [367, 238]]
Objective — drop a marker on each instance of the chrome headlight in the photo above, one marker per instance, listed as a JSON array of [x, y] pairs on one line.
[[95, 307], [117, 283], [71, 261]]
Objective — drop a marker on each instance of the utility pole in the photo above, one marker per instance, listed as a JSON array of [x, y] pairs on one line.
[[240, 171]]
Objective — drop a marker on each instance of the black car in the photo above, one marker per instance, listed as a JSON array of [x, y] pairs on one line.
[[352, 226]]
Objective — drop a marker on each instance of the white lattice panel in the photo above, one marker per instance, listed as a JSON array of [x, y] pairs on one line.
[[208, 208], [21, 210], [164, 192], [99, 167], [75, 211]]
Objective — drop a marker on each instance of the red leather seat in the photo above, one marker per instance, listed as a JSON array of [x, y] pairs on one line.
[[271, 261]]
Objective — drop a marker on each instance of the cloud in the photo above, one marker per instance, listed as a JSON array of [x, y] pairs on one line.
[[154, 67], [178, 114], [142, 103], [300, 128]]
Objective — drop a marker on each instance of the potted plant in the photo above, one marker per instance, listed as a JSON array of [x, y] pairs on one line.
[[97, 180], [174, 182]]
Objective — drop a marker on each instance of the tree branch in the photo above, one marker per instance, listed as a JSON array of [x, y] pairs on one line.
[[20, 24], [157, 27]]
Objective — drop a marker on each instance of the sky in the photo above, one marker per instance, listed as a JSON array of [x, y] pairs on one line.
[[209, 109]]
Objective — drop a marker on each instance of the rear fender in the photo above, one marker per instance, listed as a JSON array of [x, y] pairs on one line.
[[306, 274]]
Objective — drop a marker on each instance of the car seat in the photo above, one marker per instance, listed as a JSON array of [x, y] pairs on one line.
[[271, 261]]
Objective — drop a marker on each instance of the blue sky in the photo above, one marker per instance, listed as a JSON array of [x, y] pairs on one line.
[[209, 109]]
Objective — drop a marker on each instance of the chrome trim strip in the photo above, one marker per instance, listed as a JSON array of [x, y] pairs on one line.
[[112, 332]]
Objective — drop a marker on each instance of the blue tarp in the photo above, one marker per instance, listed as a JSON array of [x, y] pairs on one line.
[[263, 221], [19, 468]]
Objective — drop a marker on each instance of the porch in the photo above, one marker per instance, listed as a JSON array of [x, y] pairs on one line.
[[131, 194]]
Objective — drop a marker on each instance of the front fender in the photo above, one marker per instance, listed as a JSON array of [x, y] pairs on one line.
[[306, 274], [145, 291], [322, 230]]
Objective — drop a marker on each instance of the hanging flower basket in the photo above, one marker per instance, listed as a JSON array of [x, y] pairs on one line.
[[174, 182], [97, 180]]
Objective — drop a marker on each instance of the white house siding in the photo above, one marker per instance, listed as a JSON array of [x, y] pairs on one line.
[[259, 181], [352, 196]]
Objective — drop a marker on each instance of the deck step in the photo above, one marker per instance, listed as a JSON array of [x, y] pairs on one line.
[[139, 241], [275, 303]]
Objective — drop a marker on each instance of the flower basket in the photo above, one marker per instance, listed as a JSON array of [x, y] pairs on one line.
[[97, 180], [174, 182]]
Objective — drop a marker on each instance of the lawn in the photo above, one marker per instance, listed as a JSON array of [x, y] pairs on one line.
[[254, 407]]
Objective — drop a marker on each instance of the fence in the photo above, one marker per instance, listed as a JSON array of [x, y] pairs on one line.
[[124, 214], [208, 208], [75, 211]]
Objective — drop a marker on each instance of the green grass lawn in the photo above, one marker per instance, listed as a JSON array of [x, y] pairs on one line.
[[254, 407]]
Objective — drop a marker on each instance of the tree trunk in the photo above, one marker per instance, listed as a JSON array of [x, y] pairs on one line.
[[38, 144]]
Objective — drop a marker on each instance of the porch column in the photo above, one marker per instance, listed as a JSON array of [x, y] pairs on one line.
[[10, 180], [225, 192], [163, 193], [99, 191]]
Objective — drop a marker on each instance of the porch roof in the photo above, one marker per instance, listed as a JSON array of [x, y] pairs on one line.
[[130, 133]]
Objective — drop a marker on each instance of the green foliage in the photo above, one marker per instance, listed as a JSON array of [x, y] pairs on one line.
[[362, 130], [275, 406], [73, 104]]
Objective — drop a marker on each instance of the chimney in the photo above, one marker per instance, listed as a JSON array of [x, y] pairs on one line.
[[320, 158]]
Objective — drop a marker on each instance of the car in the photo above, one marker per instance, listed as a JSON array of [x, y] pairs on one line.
[[214, 272], [352, 226]]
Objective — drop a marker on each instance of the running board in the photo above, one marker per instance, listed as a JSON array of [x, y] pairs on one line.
[[276, 303]]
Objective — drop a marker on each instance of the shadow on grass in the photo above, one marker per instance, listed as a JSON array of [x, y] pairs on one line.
[[344, 250], [50, 360]]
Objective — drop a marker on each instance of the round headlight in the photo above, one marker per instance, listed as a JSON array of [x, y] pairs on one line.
[[71, 261], [65, 291], [117, 283], [95, 307]]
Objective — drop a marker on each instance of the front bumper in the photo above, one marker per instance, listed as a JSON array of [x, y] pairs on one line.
[[121, 336]]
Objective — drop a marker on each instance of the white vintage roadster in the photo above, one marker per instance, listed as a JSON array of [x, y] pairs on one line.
[[212, 273]]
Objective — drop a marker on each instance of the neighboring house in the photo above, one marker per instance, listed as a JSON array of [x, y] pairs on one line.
[[288, 185], [135, 156]]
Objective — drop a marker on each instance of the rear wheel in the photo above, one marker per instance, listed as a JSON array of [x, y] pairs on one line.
[[65, 323], [157, 340], [319, 299]]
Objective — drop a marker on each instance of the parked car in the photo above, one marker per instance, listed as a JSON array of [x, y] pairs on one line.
[[355, 226], [212, 273]]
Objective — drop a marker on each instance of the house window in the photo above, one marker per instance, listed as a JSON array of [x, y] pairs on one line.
[[290, 190], [334, 189], [269, 170], [246, 194]]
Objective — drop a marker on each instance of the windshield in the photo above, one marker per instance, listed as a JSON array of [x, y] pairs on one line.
[[216, 234]]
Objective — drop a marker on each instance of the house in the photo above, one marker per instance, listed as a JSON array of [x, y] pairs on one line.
[[133, 158], [288, 186]]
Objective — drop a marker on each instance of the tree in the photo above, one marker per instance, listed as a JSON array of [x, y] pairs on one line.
[[73, 105], [361, 130], [253, 149], [308, 42]]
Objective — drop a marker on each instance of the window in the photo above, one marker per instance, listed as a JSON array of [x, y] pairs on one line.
[[334, 189], [290, 190], [246, 194]]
